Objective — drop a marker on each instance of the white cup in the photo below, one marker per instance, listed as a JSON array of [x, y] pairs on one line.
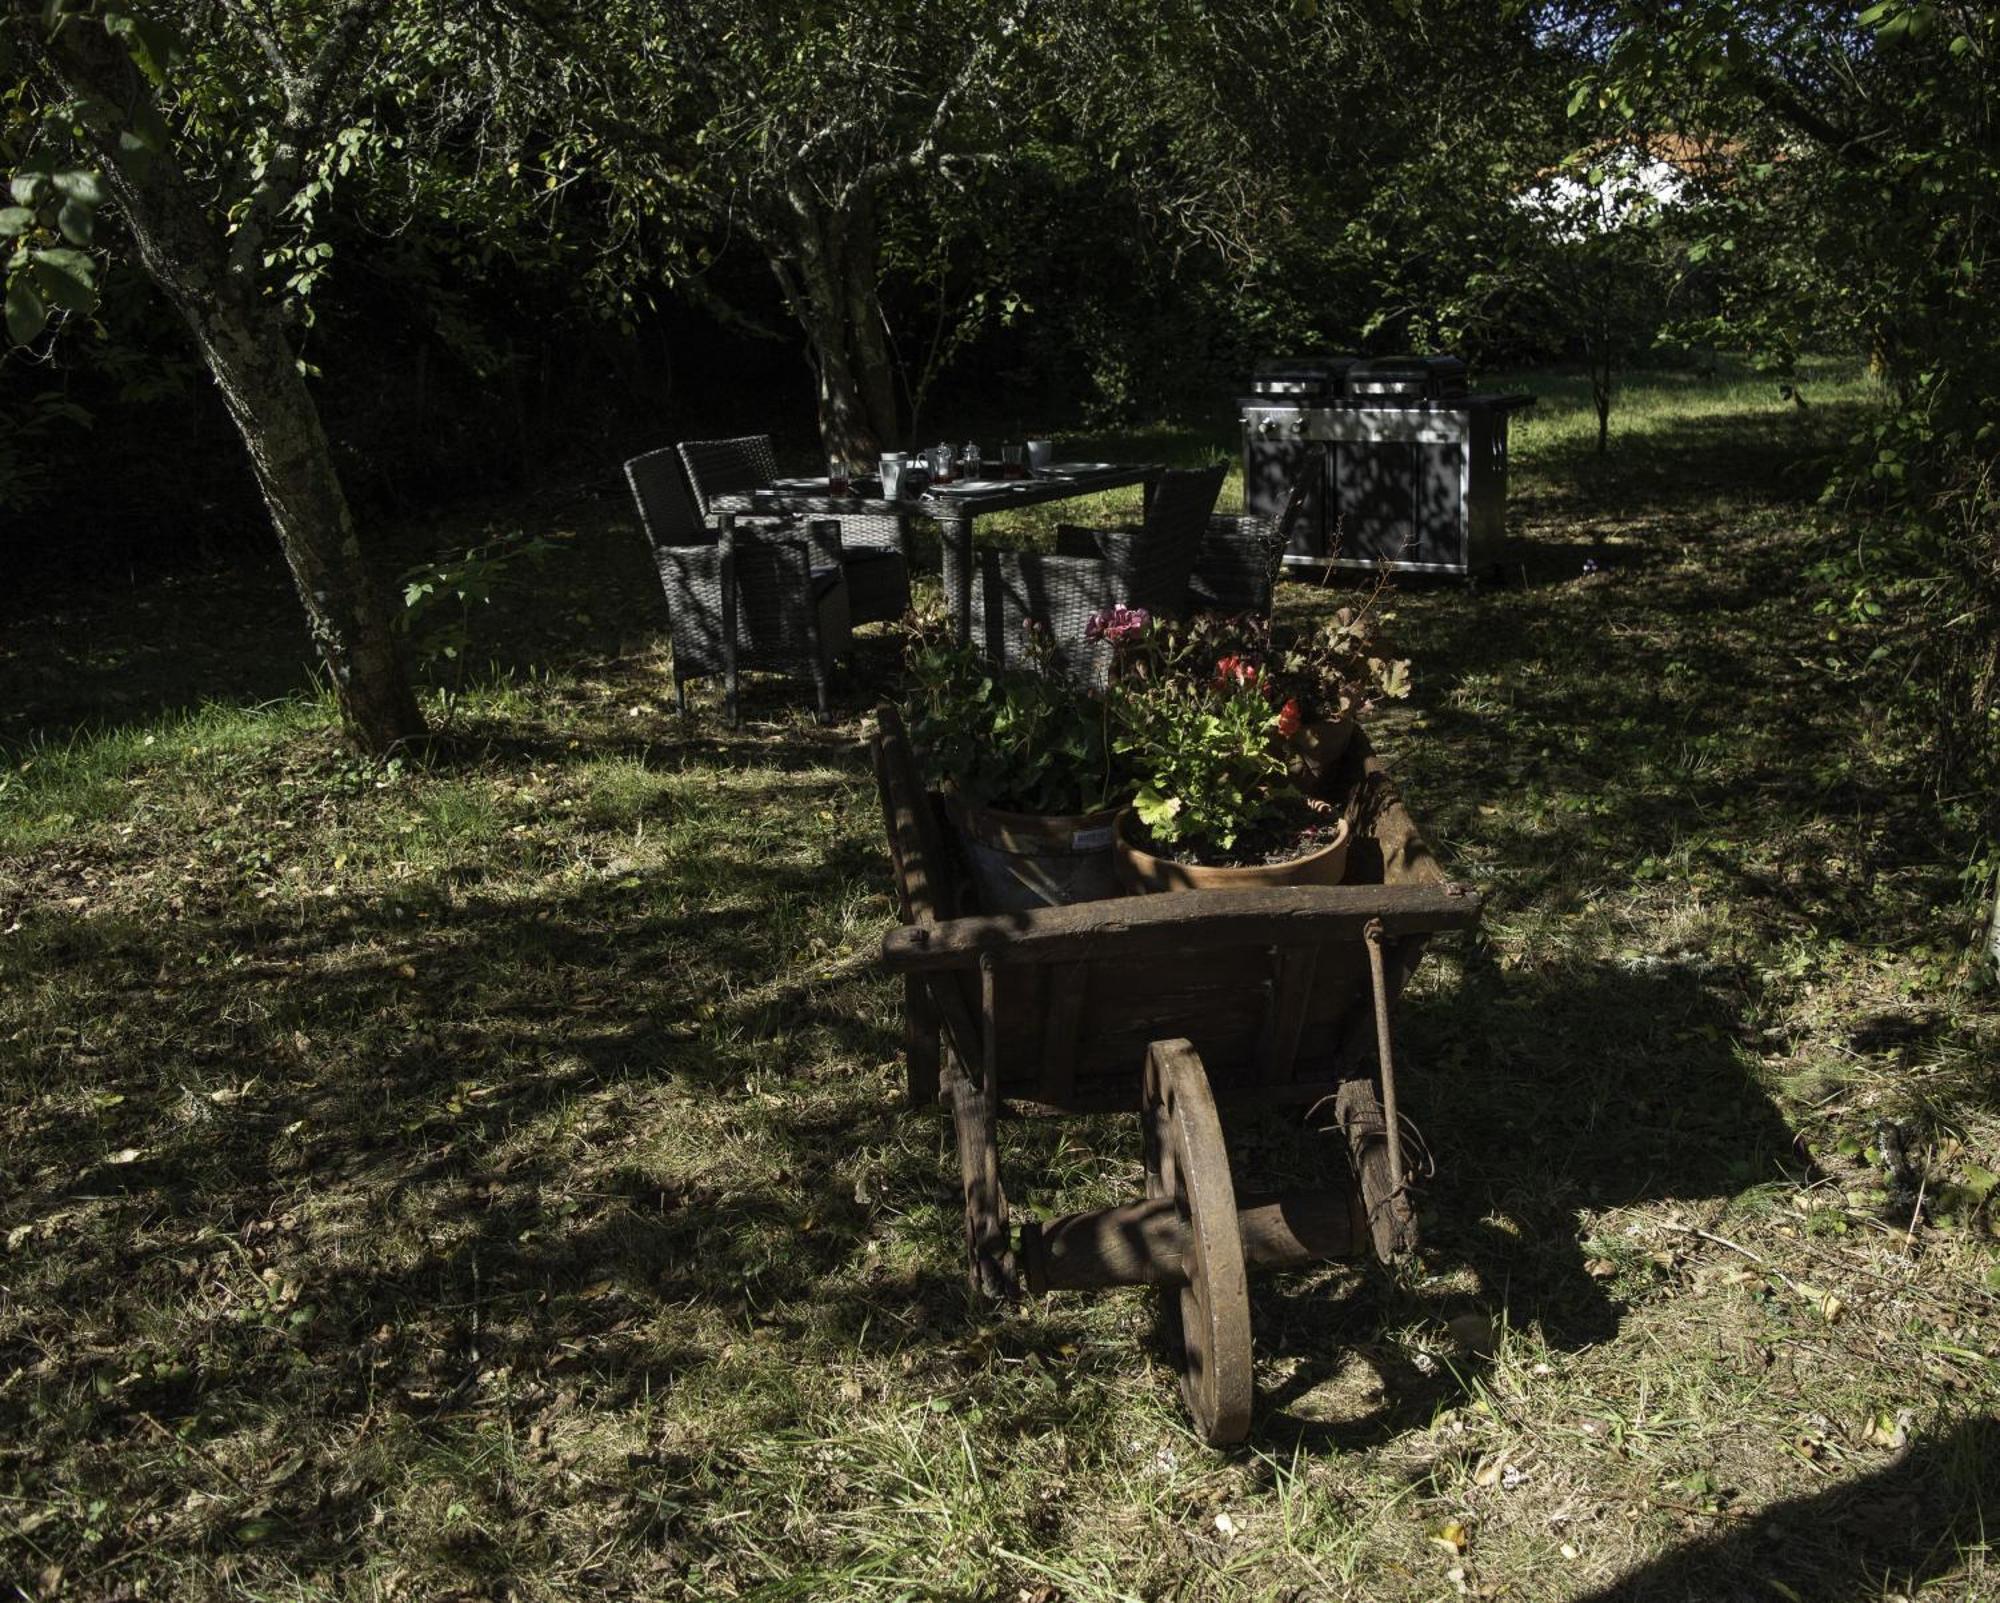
[[892, 474], [1039, 452]]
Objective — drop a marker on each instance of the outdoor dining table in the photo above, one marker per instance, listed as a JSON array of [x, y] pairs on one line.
[[953, 507]]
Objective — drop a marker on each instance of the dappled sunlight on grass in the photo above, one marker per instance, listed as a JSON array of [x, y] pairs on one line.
[[484, 1175]]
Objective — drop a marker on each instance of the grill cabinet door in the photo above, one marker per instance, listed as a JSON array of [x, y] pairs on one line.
[[1440, 530], [1269, 467], [1378, 496]]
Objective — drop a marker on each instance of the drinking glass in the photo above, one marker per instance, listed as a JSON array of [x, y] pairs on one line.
[[968, 460], [1039, 454], [1010, 460], [941, 464], [892, 474], [836, 475]]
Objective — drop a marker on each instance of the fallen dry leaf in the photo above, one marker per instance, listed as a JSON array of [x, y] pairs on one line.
[[1452, 1536]]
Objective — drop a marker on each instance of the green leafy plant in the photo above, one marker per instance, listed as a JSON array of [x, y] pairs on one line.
[[1204, 730], [1020, 739], [1338, 669], [1210, 758], [439, 597]]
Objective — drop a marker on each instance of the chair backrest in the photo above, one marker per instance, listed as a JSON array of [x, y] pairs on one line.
[[666, 511], [1163, 556], [733, 467]]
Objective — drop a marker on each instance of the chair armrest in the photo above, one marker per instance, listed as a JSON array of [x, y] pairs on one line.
[[1237, 566], [1064, 582], [819, 537], [689, 570]]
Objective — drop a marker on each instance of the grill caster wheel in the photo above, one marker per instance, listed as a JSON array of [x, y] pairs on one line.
[[1187, 1163]]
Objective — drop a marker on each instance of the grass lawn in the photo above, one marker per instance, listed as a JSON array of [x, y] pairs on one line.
[[483, 1177]]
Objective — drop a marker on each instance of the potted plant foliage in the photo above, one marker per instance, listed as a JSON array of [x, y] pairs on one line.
[[1334, 673], [1023, 759], [1206, 730]]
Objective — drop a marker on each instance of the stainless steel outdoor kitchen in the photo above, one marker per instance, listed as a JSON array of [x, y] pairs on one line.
[[1408, 467]]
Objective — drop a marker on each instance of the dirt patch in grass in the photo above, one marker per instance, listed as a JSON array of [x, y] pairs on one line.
[[483, 1177]]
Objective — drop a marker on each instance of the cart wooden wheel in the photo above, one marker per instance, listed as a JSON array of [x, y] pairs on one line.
[[1187, 1163]]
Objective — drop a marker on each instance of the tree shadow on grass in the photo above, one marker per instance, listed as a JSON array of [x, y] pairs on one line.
[[1537, 1096], [1920, 1520]]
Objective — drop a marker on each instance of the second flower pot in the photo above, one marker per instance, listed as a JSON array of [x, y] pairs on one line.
[[1140, 870], [1020, 861]]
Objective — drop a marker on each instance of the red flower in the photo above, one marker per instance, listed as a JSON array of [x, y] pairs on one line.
[[1288, 720], [1232, 671]]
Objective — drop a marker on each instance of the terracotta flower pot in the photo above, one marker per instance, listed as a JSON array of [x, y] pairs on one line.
[[1140, 871], [1025, 860]]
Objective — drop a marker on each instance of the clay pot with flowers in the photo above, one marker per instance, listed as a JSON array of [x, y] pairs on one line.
[[1207, 732]]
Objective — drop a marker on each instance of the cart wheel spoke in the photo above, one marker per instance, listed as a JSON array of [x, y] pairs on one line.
[[1187, 1162]]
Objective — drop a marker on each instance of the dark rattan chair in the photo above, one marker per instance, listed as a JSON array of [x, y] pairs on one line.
[[726, 476], [1241, 553], [1093, 569], [749, 595]]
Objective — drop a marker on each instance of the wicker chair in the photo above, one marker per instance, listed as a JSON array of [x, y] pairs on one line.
[[1241, 553], [727, 474], [1093, 569], [751, 595]]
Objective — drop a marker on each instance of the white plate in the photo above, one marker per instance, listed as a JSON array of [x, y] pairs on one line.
[[800, 486], [1067, 468], [973, 486]]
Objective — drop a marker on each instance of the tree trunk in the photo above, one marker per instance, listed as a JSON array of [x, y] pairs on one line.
[[829, 281], [244, 345], [874, 372], [1993, 932]]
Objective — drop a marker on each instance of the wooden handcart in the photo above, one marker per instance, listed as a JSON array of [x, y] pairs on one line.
[[1172, 1006]]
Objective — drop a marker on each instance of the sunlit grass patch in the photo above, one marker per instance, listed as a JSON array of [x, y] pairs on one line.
[[484, 1175]]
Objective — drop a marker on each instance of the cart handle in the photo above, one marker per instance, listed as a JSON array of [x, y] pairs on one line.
[[1134, 928]]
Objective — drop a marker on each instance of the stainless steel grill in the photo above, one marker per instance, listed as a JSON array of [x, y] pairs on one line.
[[1409, 466]]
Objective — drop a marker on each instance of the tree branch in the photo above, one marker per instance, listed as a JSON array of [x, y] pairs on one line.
[[307, 95]]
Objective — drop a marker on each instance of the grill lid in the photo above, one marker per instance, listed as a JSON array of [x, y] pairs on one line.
[[1299, 378], [1426, 378]]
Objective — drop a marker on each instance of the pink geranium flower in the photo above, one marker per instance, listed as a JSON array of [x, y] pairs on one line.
[[1117, 624]]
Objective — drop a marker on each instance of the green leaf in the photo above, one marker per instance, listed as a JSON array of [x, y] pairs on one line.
[[1577, 100], [76, 221], [26, 187], [74, 262], [87, 187], [26, 315], [15, 220], [70, 290]]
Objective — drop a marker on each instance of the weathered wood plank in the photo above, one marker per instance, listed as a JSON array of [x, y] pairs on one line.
[[1146, 1243], [1175, 924], [1068, 989], [990, 1262], [1295, 967]]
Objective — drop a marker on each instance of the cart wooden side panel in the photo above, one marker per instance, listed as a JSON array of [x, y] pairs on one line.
[[1272, 989]]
